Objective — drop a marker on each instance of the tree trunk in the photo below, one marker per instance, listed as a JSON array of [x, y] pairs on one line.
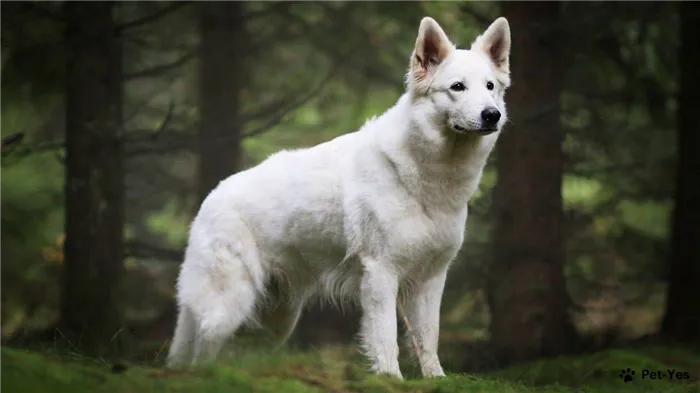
[[94, 188], [526, 286], [222, 76], [682, 319]]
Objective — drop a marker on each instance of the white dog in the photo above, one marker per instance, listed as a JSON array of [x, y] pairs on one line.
[[374, 216]]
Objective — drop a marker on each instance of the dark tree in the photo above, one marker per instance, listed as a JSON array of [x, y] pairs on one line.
[[223, 60], [682, 319], [94, 188], [526, 287]]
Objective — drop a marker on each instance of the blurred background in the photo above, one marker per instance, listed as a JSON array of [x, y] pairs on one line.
[[118, 118]]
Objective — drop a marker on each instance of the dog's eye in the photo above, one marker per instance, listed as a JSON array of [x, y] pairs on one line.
[[489, 85], [457, 86]]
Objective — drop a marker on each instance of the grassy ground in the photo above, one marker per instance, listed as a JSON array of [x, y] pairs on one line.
[[332, 370]]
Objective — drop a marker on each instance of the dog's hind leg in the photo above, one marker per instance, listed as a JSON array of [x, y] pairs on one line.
[[281, 320], [281, 311]]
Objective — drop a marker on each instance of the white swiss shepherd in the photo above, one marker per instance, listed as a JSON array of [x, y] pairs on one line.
[[374, 216]]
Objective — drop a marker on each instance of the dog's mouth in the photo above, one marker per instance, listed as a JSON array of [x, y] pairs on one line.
[[481, 131]]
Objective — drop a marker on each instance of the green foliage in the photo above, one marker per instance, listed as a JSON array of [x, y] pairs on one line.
[[32, 219], [170, 223], [645, 216]]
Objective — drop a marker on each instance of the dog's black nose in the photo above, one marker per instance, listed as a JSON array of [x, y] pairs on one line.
[[490, 116]]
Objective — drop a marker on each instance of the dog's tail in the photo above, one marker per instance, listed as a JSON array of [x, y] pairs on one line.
[[183, 340]]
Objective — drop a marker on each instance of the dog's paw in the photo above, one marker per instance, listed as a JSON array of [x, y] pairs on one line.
[[433, 370]]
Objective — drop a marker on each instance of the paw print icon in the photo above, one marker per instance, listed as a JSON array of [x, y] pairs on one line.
[[627, 375]]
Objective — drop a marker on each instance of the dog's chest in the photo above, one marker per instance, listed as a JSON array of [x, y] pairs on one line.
[[427, 238]]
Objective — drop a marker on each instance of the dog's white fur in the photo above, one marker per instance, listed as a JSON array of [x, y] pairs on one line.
[[376, 215]]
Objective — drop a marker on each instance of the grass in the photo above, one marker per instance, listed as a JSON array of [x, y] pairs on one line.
[[332, 370]]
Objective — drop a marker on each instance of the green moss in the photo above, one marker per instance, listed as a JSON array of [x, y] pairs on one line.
[[600, 371], [334, 371]]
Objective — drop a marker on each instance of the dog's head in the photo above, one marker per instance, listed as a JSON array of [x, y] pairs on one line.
[[463, 88]]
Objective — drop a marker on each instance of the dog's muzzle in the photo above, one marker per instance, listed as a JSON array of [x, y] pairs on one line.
[[486, 131], [480, 131]]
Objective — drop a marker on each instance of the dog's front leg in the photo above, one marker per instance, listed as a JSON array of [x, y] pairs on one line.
[[378, 291], [423, 317]]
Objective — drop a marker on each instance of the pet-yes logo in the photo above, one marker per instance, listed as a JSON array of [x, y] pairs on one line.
[[629, 375]]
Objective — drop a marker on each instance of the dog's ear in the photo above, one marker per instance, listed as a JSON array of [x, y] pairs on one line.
[[432, 47], [495, 43]]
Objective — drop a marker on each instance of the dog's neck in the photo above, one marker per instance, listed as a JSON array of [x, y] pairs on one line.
[[438, 144], [444, 161]]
